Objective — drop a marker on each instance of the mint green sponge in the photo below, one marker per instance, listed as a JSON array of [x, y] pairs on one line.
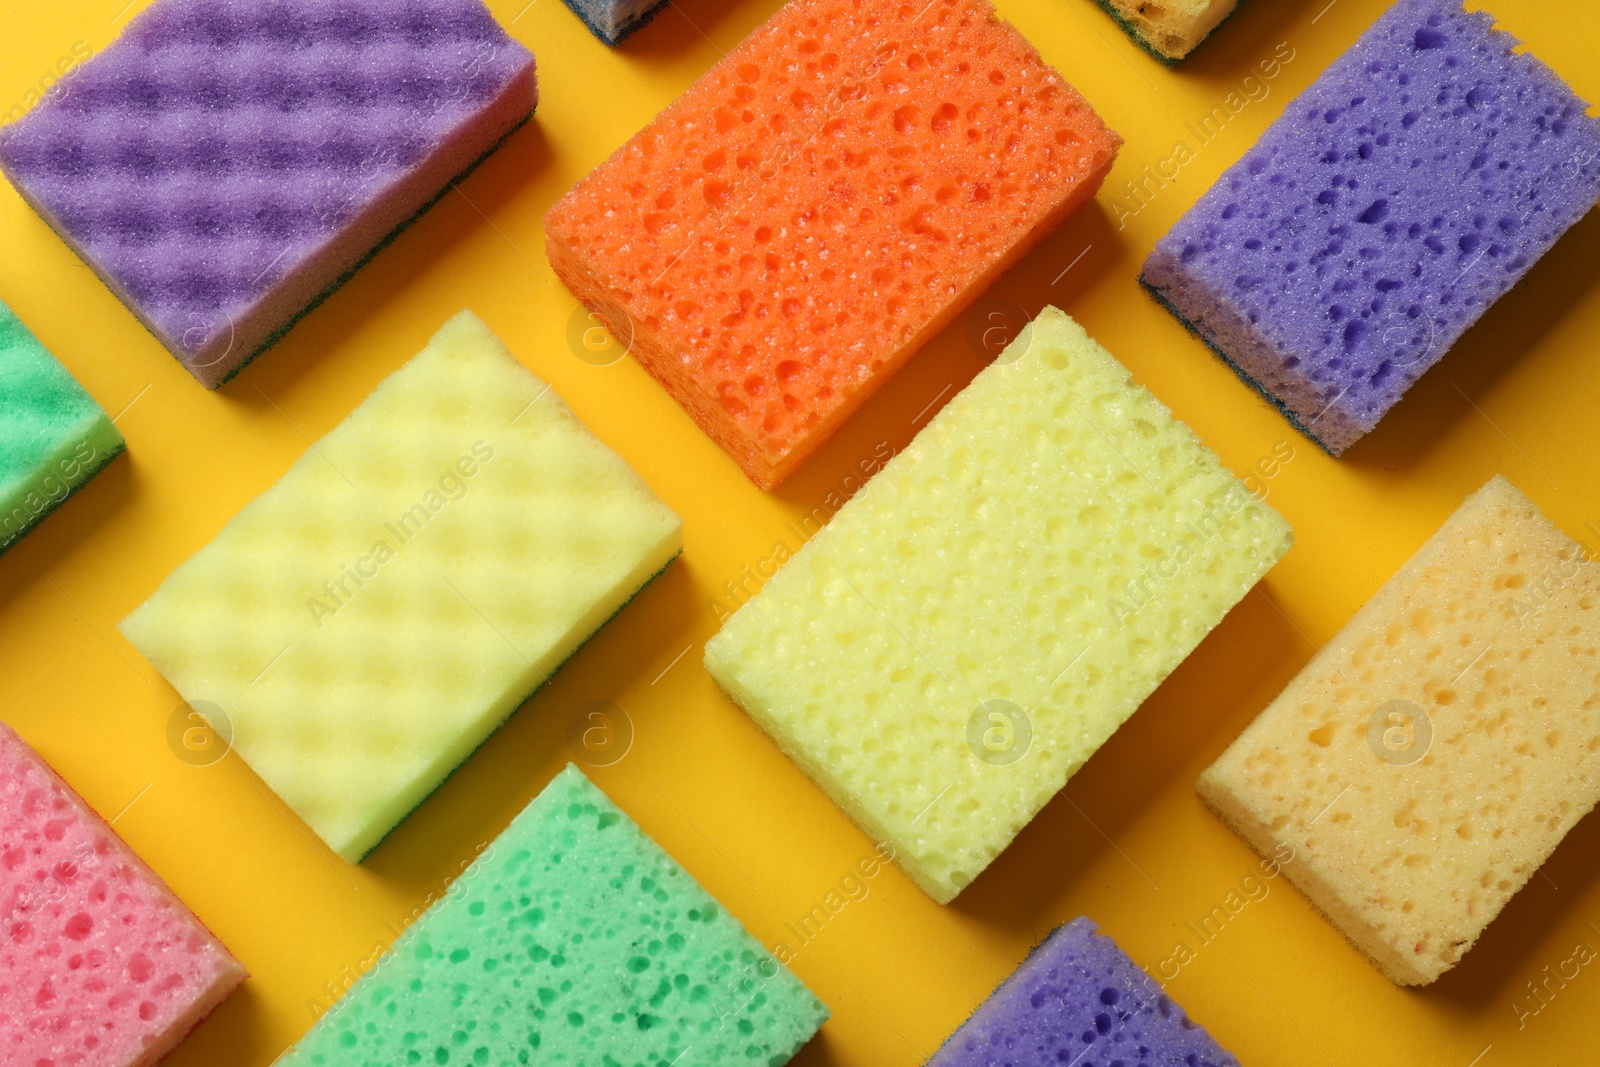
[[574, 939], [53, 436]]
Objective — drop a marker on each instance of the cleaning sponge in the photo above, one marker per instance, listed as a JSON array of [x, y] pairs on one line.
[[613, 20], [1436, 752], [1171, 29], [100, 965], [982, 616], [820, 203], [573, 940], [53, 436], [371, 619], [225, 164], [1079, 999], [1397, 198]]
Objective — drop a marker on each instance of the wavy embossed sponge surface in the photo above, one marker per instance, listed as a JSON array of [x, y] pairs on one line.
[[1079, 999], [1415, 182], [368, 621], [973, 625], [574, 940], [820, 203], [1435, 753], [53, 436], [100, 966], [225, 164]]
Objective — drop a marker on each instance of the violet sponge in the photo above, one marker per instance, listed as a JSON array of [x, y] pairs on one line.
[[1078, 999], [225, 164], [1397, 198]]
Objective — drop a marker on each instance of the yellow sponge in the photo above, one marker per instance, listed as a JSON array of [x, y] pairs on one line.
[[367, 622], [1170, 29], [971, 627], [1435, 753]]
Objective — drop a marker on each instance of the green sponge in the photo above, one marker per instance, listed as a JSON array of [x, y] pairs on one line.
[[978, 620], [53, 436], [574, 939]]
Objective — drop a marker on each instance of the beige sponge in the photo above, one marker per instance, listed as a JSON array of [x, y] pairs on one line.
[[980, 618], [1434, 754], [1170, 29]]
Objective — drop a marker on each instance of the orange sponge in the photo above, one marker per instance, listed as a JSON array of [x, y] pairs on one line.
[[820, 203]]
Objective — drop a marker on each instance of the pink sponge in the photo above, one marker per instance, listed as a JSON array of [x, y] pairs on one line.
[[100, 965]]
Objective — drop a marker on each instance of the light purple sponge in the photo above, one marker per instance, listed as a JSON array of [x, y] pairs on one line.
[[225, 164], [1079, 1000], [1397, 198]]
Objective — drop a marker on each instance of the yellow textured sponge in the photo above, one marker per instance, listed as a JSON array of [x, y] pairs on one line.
[[1170, 29], [1435, 753], [971, 627], [371, 619]]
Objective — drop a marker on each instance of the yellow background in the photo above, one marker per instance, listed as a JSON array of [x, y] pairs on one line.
[[1128, 843]]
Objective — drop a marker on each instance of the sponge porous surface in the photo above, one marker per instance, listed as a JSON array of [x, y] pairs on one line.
[[100, 965], [1415, 182], [1079, 999], [224, 163], [573, 940], [979, 619], [1435, 753], [1171, 29], [778, 241], [53, 436], [367, 622]]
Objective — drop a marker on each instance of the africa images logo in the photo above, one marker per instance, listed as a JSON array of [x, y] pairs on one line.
[[48, 488], [453, 485]]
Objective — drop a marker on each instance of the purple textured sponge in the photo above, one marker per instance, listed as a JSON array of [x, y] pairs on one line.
[[1397, 198], [1078, 999], [225, 164]]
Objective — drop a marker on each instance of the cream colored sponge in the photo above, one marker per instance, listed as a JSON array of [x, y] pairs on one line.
[[368, 621], [1435, 753], [971, 627]]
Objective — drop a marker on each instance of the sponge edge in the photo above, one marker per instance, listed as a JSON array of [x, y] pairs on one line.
[[273, 185], [99, 950], [614, 21], [996, 602], [574, 939], [780, 240], [410, 581], [53, 436], [1079, 997], [1330, 267], [1441, 745], [1172, 29]]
